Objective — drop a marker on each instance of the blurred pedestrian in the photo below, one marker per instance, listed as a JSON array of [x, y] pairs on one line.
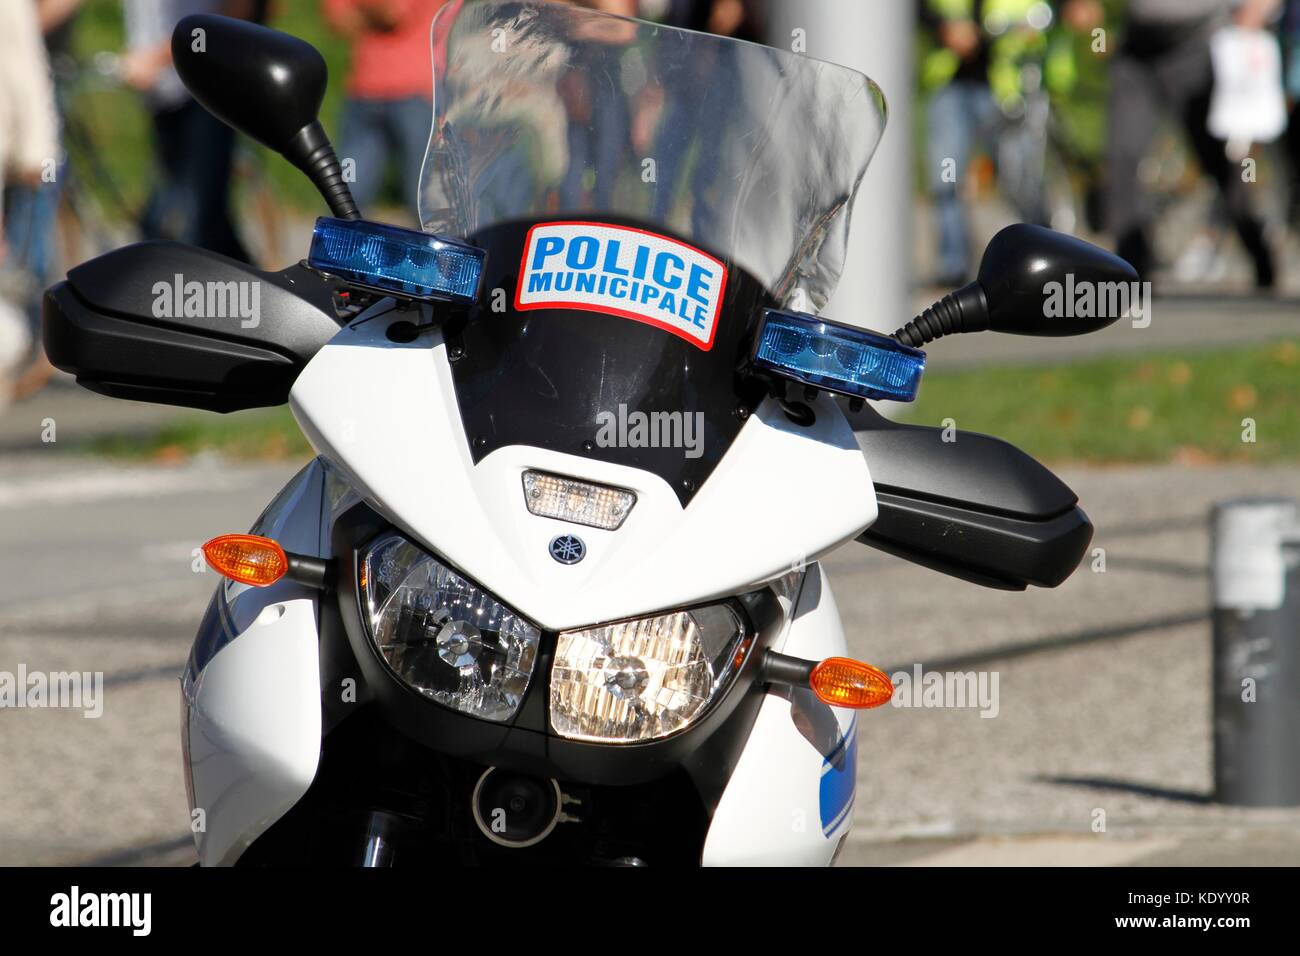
[[388, 112], [693, 91], [597, 115], [29, 151], [976, 71], [1289, 27], [31, 208], [195, 151], [960, 112], [1163, 65]]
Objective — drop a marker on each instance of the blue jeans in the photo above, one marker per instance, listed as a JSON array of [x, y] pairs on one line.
[[29, 232], [375, 131], [694, 94], [190, 202], [956, 116], [598, 143]]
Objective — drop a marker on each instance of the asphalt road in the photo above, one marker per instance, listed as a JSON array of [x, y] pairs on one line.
[[1103, 697], [95, 575]]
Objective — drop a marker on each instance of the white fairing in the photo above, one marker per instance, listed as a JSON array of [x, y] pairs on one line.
[[385, 420], [253, 696], [790, 799], [387, 416]]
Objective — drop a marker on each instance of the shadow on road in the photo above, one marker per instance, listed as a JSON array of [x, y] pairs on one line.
[[1129, 786], [1004, 652]]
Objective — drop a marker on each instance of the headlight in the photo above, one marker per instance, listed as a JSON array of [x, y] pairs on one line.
[[442, 634], [643, 679]]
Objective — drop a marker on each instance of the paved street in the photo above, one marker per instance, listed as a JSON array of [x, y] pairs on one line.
[[96, 576], [1103, 683]]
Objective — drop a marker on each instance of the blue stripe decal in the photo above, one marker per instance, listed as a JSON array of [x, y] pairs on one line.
[[839, 781]]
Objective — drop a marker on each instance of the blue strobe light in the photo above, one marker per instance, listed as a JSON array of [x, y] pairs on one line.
[[838, 358], [396, 261]]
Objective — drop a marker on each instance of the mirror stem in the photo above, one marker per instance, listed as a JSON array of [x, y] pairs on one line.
[[311, 152], [965, 310]]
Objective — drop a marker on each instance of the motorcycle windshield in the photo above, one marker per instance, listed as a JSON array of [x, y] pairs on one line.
[[642, 192]]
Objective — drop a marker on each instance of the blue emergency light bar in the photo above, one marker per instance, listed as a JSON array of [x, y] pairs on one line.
[[838, 358], [396, 261]]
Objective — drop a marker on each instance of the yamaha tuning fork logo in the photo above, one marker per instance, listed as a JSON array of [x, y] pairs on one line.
[[568, 549], [623, 271]]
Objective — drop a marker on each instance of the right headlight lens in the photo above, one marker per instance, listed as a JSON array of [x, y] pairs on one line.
[[646, 678]]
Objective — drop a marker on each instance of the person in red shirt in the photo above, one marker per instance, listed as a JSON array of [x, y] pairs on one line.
[[388, 111]]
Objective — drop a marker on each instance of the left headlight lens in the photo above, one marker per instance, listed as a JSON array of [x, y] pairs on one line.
[[442, 634], [647, 678]]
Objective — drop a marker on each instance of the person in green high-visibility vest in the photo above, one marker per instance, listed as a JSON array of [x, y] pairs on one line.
[[973, 73]]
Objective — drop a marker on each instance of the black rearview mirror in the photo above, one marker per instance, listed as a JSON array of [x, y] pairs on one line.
[[268, 85], [1034, 281], [1027, 272]]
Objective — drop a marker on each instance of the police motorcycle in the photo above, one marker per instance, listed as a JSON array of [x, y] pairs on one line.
[[549, 592]]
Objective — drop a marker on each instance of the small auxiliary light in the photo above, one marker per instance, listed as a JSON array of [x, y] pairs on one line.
[[837, 358], [582, 502], [396, 261]]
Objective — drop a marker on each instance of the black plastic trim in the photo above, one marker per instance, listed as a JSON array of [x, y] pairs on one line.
[[976, 508], [784, 669], [310, 571], [988, 549], [100, 325], [974, 471], [545, 377]]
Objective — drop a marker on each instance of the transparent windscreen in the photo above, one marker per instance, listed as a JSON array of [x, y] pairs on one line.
[[547, 109]]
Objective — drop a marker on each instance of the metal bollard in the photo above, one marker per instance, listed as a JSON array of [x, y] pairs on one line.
[[1255, 580]]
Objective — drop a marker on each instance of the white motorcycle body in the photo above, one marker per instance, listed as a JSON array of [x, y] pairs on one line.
[[383, 418]]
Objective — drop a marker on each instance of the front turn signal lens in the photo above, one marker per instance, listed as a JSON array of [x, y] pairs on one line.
[[844, 682], [246, 558]]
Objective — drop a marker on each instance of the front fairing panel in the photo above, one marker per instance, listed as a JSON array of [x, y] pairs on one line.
[[386, 414]]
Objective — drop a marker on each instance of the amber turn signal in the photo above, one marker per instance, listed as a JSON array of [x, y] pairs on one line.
[[843, 682], [246, 558]]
